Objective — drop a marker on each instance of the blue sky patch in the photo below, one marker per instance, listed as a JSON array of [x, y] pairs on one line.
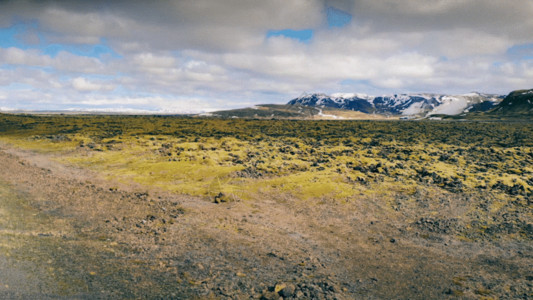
[[81, 50], [304, 35], [519, 52], [354, 82], [8, 36], [337, 17], [18, 86], [348, 82]]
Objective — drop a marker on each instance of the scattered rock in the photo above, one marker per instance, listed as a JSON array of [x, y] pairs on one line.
[[221, 198], [287, 291], [439, 225]]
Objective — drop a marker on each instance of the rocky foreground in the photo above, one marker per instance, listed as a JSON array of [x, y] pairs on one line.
[[66, 233]]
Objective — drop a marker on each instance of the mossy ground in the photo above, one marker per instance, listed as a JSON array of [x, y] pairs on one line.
[[339, 160]]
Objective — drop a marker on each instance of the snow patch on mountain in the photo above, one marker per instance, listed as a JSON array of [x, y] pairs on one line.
[[450, 106], [413, 109], [351, 95]]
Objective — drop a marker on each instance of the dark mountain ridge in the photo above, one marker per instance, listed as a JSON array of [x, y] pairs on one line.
[[518, 102]]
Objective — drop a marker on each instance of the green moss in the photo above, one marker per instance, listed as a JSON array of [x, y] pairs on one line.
[[305, 159]]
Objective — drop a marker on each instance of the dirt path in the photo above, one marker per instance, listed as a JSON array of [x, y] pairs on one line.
[[65, 232]]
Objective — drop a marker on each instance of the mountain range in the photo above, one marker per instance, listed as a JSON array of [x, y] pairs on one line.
[[413, 105], [516, 105]]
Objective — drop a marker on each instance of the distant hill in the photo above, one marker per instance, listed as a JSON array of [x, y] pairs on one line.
[[293, 111], [516, 103]]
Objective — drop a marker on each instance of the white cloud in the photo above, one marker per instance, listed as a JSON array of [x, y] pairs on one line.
[[83, 85], [63, 61], [167, 25], [149, 60], [16, 56], [460, 43]]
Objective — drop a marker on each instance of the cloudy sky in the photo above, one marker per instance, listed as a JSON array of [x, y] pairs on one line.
[[203, 55]]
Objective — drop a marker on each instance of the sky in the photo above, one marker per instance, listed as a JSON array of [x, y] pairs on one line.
[[189, 56]]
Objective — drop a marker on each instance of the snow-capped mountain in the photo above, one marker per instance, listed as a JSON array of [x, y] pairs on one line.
[[403, 104]]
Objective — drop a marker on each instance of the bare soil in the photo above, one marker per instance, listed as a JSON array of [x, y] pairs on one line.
[[68, 233]]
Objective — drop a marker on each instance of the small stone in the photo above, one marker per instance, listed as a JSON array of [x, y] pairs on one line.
[[221, 197], [279, 287], [332, 288], [392, 240], [239, 274], [287, 291]]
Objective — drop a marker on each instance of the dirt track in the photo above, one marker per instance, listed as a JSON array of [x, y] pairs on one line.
[[67, 233]]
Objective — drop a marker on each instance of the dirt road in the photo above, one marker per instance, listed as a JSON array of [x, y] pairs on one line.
[[69, 233]]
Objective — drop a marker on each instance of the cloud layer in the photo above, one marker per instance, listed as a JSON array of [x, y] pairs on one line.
[[201, 55]]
